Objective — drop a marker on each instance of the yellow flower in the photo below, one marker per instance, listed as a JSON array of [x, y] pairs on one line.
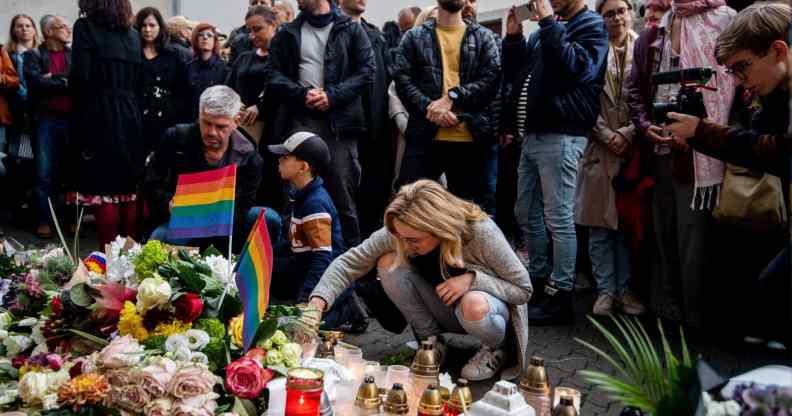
[[131, 323], [235, 329], [174, 327]]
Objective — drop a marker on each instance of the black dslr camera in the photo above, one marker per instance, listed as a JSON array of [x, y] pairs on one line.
[[689, 100]]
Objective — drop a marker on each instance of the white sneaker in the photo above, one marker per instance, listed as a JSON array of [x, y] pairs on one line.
[[484, 365]]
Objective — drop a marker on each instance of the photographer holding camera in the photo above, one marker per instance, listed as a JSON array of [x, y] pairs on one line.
[[755, 49], [687, 182]]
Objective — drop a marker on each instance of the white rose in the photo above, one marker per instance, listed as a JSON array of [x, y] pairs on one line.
[[3, 334], [196, 339], [33, 387], [152, 292], [176, 341], [37, 334], [16, 343]]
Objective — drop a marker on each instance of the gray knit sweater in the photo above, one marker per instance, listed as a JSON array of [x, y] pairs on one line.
[[498, 270]]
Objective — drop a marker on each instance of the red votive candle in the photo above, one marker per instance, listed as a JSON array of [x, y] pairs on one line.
[[304, 392]]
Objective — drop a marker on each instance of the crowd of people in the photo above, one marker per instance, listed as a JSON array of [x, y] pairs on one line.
[[451, 178]]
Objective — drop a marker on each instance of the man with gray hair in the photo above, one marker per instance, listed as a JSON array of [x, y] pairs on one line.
[[212, 142], [46, 73]]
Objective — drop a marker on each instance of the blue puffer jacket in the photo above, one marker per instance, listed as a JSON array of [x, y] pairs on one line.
[[567, 62]]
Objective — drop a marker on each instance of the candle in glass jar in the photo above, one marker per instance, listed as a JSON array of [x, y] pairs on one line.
[[304, 392]]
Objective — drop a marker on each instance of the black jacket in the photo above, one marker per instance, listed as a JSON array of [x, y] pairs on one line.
[[349, 70], [567, 64], [181, 151], [166, 94], [37, 63], [202, 75], [375, 100], [106, 81], [418, 72]]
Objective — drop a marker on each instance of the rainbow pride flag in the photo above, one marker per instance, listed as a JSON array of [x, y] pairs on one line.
[[204, 204], [253, 278]]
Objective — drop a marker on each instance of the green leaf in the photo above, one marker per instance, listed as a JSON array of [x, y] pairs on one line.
[[212, 251], [265, 330], [192, 281], [90, 337], [79, 295], [244, 407]]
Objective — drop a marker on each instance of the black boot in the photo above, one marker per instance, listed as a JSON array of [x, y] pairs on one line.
[[556, 308]]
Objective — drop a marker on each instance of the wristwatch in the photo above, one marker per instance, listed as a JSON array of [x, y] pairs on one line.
[[453, 94]]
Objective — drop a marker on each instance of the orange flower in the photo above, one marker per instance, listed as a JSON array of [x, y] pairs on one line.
[[85, 389]]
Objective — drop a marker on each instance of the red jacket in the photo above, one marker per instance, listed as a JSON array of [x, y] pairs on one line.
[[9, 84]]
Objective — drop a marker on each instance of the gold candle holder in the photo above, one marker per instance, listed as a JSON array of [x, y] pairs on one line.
[[534, 379], [431, 403], [566, 407], [461, 398], [396, 401], [368, 395], [426, 363]]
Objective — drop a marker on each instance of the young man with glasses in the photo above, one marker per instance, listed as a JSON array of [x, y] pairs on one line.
[[755, 49], [687, 182]]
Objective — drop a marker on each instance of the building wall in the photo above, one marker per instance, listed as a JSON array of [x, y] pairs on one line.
[[226, 14], [66, 8]]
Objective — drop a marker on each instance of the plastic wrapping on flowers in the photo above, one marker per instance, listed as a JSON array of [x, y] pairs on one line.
[[142, 329]]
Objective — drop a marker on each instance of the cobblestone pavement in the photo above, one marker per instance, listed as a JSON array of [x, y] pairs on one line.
[[563, 355]]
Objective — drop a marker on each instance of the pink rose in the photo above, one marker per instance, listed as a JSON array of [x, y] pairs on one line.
[[246, 377], [131, 397], [119, 378], [196, 405], [159, 407], [192, 381], [156, 377], [122, 352]]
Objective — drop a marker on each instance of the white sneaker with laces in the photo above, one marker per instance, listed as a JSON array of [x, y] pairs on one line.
[[484, 365]]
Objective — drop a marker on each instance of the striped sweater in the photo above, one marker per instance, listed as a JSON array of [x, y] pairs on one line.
[[314, 234]]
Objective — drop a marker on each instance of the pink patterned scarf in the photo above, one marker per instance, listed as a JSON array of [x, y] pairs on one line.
[[702, 22]]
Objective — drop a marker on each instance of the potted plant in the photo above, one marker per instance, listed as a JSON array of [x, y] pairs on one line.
[[645, 381]]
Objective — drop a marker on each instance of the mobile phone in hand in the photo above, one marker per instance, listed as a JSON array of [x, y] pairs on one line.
[[525, 12]]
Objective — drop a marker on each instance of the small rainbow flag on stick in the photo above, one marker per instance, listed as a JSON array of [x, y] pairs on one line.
[[204, 204], [253, 278]]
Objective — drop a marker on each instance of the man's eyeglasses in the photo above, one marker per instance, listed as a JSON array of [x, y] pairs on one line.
[[611, 14], [206, 35], [740, 69]]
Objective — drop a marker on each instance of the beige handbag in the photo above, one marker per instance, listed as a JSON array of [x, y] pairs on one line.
[[751, 200]]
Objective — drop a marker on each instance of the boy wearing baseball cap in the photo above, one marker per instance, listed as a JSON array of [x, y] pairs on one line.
[[315, 237]]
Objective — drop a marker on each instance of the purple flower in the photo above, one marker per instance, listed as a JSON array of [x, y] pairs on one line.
[[33, 286]]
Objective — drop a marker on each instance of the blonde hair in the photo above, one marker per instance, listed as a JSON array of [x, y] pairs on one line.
[[428, 207], [425, 15]]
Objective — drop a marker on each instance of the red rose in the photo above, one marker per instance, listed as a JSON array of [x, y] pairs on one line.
[[188, 307], [246, 377], [57, 306]]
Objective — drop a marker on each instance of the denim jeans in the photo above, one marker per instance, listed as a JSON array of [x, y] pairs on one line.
[[546, 182], [611, 260], [428, 315], [3, 153], [52, 139], [274, 227], [487, 200]]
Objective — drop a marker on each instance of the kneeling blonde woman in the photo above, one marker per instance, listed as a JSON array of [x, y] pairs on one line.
[[448, 268]]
